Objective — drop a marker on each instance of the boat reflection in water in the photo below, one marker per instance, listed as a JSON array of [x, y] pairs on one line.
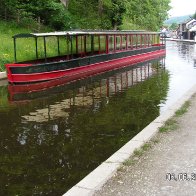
[[61, 133]]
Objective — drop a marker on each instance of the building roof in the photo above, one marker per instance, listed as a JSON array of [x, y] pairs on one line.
[[193, 28], [190, 24]]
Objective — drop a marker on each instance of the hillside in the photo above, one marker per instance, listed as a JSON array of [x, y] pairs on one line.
[[7, 30], [177, 19]]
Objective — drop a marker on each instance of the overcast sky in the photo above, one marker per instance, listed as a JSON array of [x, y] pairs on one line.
[[182, 7]]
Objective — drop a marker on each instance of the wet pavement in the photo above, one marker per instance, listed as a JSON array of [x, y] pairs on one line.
[[167, 167]]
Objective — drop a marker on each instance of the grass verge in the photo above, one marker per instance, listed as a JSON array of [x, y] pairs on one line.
[[25, 47], [170, 125], [183, 109]]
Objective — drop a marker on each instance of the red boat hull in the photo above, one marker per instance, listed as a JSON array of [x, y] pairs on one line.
[[82, 71]]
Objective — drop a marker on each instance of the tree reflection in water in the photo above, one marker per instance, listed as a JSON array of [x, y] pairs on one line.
[[52, 139]]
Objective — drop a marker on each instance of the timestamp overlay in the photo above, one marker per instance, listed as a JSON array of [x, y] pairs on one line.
[[181, 176]]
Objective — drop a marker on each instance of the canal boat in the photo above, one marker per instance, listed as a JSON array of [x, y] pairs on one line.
[[81, 53], [115, 81]]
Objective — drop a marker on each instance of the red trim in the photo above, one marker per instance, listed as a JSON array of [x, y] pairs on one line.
[[120, 42], [107, 44], [114, 43], [126, 42]]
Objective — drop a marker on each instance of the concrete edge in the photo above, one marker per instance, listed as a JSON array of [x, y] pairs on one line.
[[181, 40], [3, 75], [96, 179], [3, 78]]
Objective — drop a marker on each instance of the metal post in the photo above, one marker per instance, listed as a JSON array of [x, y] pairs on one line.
[[120, 42], [149, 40], [71, 39], [85, 45], [58, 45], [153, 39], [45, 49], [126, 42], [144, 40], [36, 52], [114, 43], [99, 40], [15, 60], [92, 44], [67, 46], [106, 43], [136, 40], [76, 44], [131, 41], [81, 42]]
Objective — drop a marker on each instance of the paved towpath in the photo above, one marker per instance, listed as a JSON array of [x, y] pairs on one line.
[[173, 152]]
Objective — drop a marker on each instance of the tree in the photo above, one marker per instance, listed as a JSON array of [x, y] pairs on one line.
[[174, 26], [91, 14], [7, 9], [117, 12], [148, 14]]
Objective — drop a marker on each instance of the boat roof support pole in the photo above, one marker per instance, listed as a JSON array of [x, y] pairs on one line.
[[84, 45], [106, 44], [36, 51], [126, 36], [76, 44], [144, 40], [71, 39], [67, 46], [131, 43], [92, 44], [121, 42], [150, 40], [58, 45], [45, 56], [141, 44], [81, 45], [114, 43], [15, 59], [99, 43], [136, 41]]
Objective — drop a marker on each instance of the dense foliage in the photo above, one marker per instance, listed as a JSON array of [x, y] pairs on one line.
[[92, 14]]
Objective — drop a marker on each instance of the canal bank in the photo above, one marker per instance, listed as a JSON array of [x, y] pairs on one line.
[[3, 79], [92, 183], [3, 75], [181, 40], [167, 168]]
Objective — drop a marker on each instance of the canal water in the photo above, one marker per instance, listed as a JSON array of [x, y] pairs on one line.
[[53, 137]]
